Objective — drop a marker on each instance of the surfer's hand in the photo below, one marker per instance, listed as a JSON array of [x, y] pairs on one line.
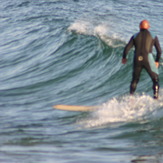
[[124, 60], [157, 64]]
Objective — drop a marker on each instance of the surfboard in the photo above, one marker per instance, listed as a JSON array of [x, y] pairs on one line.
[[76, 108]]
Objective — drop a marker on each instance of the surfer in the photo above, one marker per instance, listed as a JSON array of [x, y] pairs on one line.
[[143, 41]]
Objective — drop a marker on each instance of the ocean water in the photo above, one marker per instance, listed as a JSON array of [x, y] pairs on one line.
[[69, 52]]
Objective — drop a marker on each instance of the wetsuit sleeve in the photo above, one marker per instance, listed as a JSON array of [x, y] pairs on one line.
[[158, 49], [128, 47]]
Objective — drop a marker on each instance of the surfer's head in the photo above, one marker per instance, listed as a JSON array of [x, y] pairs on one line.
[[144, 24]]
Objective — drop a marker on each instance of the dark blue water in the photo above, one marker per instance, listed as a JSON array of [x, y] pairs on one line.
[[69, 52]]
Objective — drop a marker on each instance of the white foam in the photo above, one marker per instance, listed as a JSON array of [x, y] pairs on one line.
[[125, 109], [102, 30], [81, 27]]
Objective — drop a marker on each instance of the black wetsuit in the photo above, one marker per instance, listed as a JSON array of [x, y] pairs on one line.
[[143, 42]]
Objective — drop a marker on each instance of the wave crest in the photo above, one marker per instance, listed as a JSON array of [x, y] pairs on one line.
[[103, 31]]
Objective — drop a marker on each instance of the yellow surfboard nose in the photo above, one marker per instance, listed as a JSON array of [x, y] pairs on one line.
[[75, 108]]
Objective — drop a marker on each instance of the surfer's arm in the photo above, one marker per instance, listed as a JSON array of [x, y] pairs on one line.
[[158, 49], [128, 47]]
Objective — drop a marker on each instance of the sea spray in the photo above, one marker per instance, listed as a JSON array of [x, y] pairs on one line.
[[102, 30], [124, 109]]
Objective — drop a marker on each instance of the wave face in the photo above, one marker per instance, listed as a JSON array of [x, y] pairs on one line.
[[69, 52]]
